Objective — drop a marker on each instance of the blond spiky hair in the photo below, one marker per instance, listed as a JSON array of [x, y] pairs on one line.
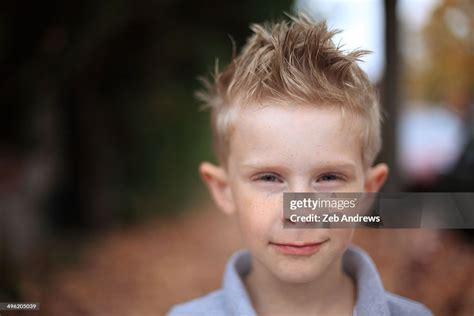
[[293, 62]]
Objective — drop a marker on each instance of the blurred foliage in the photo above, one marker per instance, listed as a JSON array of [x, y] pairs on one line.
[[448, 44], [106, 88]]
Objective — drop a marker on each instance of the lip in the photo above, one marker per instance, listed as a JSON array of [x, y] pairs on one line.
[[298, 249]]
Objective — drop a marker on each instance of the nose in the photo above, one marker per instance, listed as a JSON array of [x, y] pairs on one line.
[[295, 186], [300, 185]]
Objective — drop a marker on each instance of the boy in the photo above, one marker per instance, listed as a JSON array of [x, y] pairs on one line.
[[292, 113]]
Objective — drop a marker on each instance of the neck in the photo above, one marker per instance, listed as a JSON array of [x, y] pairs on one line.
[[332, 293]]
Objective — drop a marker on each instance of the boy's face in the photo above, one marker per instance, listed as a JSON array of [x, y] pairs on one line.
[[277, 149]]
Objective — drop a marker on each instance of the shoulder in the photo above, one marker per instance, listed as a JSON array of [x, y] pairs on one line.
[[210, 304], [399, 305]]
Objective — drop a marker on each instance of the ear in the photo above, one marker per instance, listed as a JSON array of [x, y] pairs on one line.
[[216, 180], [375, 177]]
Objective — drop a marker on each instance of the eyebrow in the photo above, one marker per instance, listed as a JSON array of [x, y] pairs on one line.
[[325, 166], [256, 166], [344, 166]]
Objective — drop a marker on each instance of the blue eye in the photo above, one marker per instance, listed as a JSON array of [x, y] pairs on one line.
[[269, 178], [328, 177]]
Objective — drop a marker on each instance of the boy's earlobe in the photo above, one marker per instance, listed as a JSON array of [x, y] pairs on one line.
[[376, 177], [216, 180]]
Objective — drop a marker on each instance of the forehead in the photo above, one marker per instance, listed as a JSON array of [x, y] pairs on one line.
[[295, 134]]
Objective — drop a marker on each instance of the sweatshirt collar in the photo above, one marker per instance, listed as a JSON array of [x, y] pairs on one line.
[[370, 299], [235, 293]]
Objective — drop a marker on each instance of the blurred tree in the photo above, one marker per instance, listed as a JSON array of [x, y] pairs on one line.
[[442, 75], [98, 119], [390, 95], [114, 83]]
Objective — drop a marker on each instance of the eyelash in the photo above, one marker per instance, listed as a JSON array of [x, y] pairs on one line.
[[269, 175], [334, 176], [275, 178]]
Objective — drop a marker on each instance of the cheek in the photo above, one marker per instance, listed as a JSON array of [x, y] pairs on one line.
[[257, 212], [341, 238]]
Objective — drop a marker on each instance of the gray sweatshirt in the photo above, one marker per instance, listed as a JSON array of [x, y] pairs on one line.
[[232, 299]]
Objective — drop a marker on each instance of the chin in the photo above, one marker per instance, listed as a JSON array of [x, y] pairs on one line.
[[297, 274]]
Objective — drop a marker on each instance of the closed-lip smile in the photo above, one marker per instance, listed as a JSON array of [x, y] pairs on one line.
[[298, 248]]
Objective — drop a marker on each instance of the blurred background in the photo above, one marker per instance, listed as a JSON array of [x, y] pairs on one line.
[[101, 208]]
